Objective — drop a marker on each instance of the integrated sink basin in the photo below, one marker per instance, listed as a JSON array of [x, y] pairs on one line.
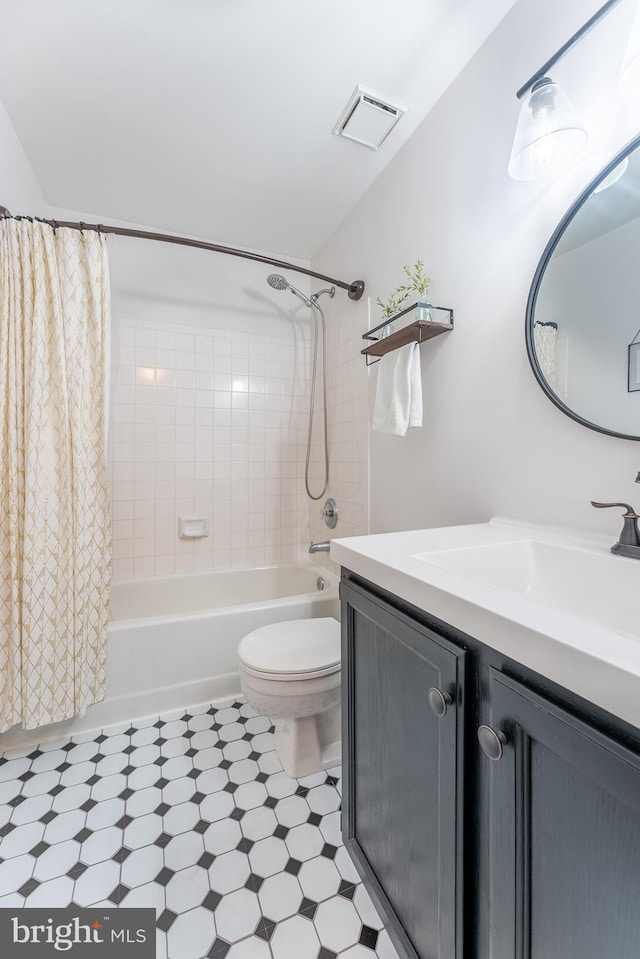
[[555, 600], [592, 585]]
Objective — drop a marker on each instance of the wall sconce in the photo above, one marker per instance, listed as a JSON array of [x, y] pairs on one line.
[[549, 131]]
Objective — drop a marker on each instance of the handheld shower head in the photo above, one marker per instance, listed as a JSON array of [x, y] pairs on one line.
[[278, 282]]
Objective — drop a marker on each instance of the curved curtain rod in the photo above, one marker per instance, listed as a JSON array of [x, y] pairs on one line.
[[354, 290]]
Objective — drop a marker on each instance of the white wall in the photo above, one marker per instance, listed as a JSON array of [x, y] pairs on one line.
[[492, 443], [19, 190]]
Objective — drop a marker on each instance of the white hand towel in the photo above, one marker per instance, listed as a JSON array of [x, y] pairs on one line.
[[398, 391]]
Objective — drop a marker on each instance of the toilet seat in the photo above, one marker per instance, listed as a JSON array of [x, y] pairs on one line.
[[294, 650]]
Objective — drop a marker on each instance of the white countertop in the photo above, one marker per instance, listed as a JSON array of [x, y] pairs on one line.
[[594, 659]]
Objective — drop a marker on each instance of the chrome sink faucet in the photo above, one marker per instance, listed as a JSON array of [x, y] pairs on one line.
[[629, 542]]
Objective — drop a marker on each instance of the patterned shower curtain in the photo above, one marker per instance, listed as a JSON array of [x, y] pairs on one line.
[[55, 531]]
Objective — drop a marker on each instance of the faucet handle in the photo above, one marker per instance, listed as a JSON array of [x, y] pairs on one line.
[[629, 509]]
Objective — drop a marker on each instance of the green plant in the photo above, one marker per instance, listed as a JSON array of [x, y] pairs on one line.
[[418, 280], [393, 303]]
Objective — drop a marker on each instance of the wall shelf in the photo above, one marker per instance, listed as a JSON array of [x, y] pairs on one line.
[[421, 326]]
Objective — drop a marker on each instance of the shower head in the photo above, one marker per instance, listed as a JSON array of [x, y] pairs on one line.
[[331, 290], [277, 282]]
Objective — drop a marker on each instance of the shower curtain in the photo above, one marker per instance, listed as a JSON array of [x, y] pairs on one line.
[[55, 531], [545, 336]]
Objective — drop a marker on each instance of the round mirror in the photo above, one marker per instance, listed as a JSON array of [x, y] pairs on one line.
[[583, 314]]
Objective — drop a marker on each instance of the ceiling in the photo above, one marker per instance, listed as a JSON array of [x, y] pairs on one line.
[[213, 118]]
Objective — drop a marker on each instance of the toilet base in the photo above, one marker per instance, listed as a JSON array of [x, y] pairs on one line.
[[306, 746]]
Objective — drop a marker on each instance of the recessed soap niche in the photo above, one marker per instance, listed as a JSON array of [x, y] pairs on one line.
[[193, 527]]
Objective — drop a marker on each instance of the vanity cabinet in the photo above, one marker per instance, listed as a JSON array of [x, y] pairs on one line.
[[403, 714], [564, 841], [506, 828]]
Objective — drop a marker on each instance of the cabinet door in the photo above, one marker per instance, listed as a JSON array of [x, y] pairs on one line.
[[564, 834], [402, 815]]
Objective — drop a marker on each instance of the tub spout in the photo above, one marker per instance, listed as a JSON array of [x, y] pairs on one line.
[[320, 547]]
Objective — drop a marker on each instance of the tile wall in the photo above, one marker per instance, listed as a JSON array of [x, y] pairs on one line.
[[348, 427], [206, 422]]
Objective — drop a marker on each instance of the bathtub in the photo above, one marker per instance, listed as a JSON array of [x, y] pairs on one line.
[[172, 640]]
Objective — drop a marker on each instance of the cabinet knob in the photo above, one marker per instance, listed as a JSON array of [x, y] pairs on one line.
[[491, 742], [439, 701]]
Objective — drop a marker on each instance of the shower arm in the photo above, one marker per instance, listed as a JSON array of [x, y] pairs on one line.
[[354, 290]]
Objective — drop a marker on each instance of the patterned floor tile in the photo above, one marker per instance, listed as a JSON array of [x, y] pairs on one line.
[[189, 813]]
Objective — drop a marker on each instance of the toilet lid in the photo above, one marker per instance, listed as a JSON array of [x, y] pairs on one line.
[[298, 646]]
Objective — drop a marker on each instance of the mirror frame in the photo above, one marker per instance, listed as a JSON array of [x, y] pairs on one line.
[[537, 280]]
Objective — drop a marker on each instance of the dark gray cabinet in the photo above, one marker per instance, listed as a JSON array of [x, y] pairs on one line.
[[564, 850], [402, 812], [520, 843]]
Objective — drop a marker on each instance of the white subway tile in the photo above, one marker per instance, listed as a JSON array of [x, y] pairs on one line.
[[186, 341], [204, 417], [144, 509], [204, 381], [145, 338], [185, 361], [165, 396], [122, 490], [204, 362], [122, 548], [239, 384], [166, 341], [122, 569], [205, 343], [221, 400], [185, 470], [165, 377], [145, 489], [165, 452], [145, 414], [185, 379], [165, 545], [185, 415], [165, 564], [143, 471], [144, 566]]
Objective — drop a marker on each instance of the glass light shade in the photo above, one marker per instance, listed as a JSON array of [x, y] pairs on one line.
[[549, 132]]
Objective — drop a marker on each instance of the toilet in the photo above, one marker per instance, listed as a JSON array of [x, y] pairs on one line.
[[291, 672]]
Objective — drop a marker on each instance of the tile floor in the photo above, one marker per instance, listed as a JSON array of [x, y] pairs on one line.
[[192, 814]]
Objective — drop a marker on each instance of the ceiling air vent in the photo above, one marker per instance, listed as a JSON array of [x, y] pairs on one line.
[[367, 119]]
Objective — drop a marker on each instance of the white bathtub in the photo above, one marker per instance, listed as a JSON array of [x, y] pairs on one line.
[[172, 640]]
